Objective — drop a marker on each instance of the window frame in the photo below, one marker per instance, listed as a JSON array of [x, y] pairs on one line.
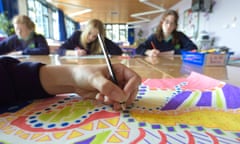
[[116, 29]]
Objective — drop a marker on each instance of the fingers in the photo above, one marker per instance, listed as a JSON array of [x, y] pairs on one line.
[[155, 52], [132, 97], [103, 99], [108, 88], [131, 88], [110, 93], [130, 82], [100, 97], [81, 52]]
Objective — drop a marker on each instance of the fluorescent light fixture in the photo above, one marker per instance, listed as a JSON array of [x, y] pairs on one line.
[[153, 5], [146, 13], [80, 12], [139, 16], [143, 0]]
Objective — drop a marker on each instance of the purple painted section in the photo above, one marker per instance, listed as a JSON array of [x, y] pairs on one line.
[[156, 126], [232, 96], [176, 101], [218, 131], [142, 90], [171, 129], [206, 99], [87, 141], [199, 128], [237, 134], [183, 126]]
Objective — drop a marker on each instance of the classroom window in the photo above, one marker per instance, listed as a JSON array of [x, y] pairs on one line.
[[45, 17], [70, 26], [55, 25], [116, 32]]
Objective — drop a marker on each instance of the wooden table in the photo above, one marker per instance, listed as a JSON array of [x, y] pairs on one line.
[[192, 110], [153, 67]]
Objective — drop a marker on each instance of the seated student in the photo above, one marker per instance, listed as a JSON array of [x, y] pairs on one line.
[[166, 38], [22, 81], [86, 42], [25, 40]]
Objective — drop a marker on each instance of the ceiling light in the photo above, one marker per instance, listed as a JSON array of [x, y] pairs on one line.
[[142, 19], [80, 12], [143, 0]]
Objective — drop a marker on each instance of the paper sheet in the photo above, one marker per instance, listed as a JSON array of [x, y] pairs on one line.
[[84, 57]]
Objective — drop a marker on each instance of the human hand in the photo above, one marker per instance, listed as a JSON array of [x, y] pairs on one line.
[[95, 83], [152, 52], [80, 52], [92, 81]]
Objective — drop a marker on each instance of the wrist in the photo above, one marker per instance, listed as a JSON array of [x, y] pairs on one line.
[[56, 79]]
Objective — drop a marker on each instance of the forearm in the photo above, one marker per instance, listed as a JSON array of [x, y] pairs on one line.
[[36, 51], [57, 79], [90, 80]]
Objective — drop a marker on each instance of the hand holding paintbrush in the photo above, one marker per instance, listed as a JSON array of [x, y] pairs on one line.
[[152, 52], [114, 78]]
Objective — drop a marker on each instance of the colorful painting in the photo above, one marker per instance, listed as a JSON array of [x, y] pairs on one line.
[[196, 109]]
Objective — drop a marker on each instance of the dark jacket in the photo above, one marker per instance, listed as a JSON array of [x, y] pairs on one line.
[[19, 81], [37, 45], [184, 44], [74, 41]]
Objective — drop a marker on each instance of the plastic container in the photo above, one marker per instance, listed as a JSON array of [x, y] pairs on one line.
[[206, 59]]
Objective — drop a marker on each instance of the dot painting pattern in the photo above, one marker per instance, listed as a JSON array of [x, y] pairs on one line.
[[158, 115]]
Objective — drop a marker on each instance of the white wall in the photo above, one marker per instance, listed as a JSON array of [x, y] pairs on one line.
[[220, 24], [223, 23]]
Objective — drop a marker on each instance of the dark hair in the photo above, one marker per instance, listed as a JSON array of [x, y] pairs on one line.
[[159, 31]]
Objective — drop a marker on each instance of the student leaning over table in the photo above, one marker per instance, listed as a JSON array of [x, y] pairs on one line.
[[86, 42], [25, 40], [166, 38], [21, 81]]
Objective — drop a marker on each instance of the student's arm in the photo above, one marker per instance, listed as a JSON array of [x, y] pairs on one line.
[[145, 46], [7, 45], [19, 81], [186, 43], [38, 46], [113, 48], [70, 44], [92, 81], [141, 49]]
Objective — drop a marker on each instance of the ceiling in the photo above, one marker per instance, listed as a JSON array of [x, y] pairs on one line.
[[114, 11]]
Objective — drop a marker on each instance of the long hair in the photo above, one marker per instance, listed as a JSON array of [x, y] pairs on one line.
[[23, 19], [95, 46], [159, 31]]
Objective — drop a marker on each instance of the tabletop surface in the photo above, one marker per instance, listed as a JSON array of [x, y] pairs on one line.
[[151, 67], [174, 104]]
